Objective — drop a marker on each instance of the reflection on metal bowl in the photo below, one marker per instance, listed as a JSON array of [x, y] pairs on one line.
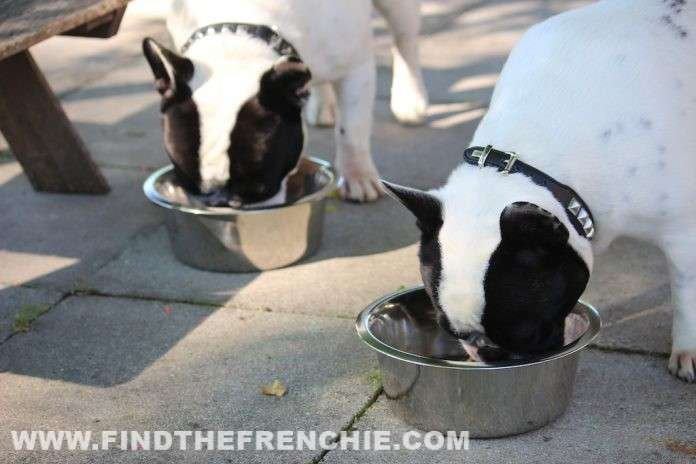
[[224, 239], [433, 386]]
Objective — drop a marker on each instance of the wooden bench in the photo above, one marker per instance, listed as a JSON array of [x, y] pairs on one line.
[[32, 120]]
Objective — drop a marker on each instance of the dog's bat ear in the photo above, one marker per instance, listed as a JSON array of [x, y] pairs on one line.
[[286, 85], [425, 206], [527, 224], [170, 69]]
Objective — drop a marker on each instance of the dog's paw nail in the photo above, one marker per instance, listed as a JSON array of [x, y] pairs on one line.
[[682, 364]]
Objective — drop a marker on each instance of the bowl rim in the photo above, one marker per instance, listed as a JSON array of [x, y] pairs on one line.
[[362, 327], [219, 211]]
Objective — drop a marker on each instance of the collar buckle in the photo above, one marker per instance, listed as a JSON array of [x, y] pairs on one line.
[[481, 155], [510, 162]]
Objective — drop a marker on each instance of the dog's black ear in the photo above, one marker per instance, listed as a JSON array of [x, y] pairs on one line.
[[425, 206], [285, 86], [526, 224], [170, 69]]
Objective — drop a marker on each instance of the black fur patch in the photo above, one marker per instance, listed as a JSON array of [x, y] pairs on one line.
[[180, 119], [675, 7], [267, 140], [430, 258], [533, 281], [265, 146], [428, 212], [182, 138]]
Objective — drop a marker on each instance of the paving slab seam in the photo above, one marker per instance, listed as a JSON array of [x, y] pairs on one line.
[[83, 292], [79, 285], [628, 351], [349, 425], [215, 305], [46, 286], [62, 298]]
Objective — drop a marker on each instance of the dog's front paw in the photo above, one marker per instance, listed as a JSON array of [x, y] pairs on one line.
[[682, 363], [409, 108], [360, 181], [320, 110], [409, 99]]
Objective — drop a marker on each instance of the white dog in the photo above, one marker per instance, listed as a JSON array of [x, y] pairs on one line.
[[233, 94], [603, 100]]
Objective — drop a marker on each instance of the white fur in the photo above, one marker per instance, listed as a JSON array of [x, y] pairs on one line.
[[321, 106], [602, 98], [409, 99], [335, 41]]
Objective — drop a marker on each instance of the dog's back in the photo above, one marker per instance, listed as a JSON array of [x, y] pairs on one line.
[[604, 98]]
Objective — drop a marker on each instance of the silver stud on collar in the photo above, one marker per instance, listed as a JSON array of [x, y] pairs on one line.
[[575, 207], [268, 34], [510, 162], [589, 231]]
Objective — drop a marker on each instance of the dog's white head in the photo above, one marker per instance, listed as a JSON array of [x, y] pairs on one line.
[[498, 266], [232, 128]]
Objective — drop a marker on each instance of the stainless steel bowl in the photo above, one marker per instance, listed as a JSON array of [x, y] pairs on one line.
[[224, 239], [432, 385]]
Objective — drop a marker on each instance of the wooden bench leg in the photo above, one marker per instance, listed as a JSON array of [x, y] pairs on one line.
[[42, 138]]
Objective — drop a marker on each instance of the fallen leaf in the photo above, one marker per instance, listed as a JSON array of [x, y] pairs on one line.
[[680, 447], [167, 310], [274, 389]]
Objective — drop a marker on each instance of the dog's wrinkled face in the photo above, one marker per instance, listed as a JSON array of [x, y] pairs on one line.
[[530, 281], [234, 145]]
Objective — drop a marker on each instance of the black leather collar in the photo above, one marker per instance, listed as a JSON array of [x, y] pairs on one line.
[[268, 34], [507, 162]]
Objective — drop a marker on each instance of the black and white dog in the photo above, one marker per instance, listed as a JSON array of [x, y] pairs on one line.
[[232, 99], [603, 99]]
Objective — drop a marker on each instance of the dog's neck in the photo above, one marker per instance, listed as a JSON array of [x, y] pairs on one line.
[[233, 52], [577, 210], [479, 196]]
